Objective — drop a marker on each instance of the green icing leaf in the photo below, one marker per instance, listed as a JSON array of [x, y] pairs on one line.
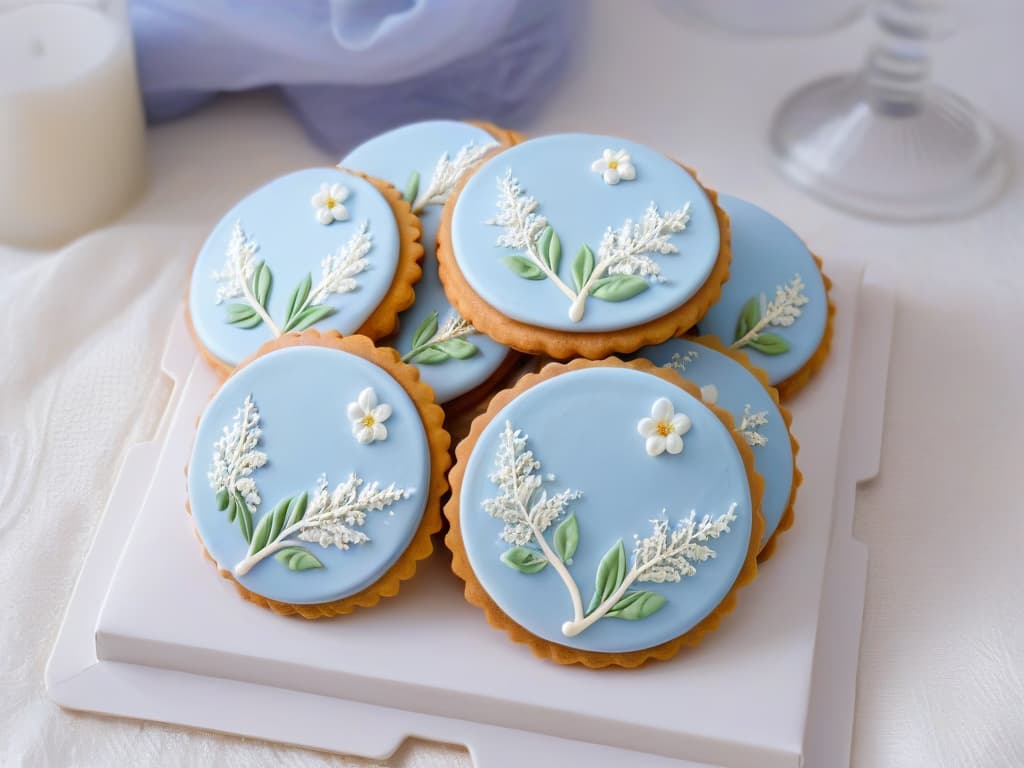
[[769, 344], [553, 254], [232, 509], [750, 314], [268, 528], [311, 315], [244, 518], [298, 559], [523, 560], [252, 322], [610, 573], [523, 267], [567, 538], [460, 349], [297, 509], [238, 311], [429, 356], [425, 330], [261, 283], [637, 605], [618, 287], [222, 499], [243, 316], [544, 242], [297, 299], [412, 187], [582, 266]]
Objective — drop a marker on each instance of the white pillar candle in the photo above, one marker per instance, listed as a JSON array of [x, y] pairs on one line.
[[72, 131]]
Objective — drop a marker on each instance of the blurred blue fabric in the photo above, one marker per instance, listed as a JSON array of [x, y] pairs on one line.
[[352, 68]]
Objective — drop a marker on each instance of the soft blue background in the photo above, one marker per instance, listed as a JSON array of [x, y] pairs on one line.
[[737, 387], [765, 254], [556, 170], [393, 156], [281, 219], [302, 394], [582, 428]]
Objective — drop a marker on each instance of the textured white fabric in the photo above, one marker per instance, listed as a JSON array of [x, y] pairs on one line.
[[941, 680]]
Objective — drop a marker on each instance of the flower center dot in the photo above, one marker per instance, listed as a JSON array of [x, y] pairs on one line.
[[613, 164], [664, 428], [330, 202], [368, 420]]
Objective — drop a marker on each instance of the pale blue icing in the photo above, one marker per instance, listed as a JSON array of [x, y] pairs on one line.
[[766, 254], [302, 394], [738, 387], [556, 170], [582, 427], [281, 219], [393, 156]]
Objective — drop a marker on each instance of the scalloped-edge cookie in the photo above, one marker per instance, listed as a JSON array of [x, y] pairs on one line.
[[316, 476], [603, 514], [582, 245], [320, 248]]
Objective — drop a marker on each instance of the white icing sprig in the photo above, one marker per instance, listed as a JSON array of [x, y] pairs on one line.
[[239, 265], [339, 269], [447, 174], [669, 553], [235, 456], [332, 519], [749, 423], [784, 309], [525, 509], [679, 362], [517, 215], [622, 252], [335, 517], [759, 313]]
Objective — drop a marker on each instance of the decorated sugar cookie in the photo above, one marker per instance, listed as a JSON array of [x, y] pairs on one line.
[[775, 306], [582, 245], [319, 248], [316, 474], [604, 514], [727, 379], [426, 160]]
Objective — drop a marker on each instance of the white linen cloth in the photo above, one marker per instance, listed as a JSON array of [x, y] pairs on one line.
[[941, 681]]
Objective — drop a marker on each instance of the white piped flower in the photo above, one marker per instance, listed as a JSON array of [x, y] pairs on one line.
[[368, 417], [615, 166], [709, 394], [664, 428], [328, 203]]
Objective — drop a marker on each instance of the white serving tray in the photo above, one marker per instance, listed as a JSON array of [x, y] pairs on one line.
[[153, 633]]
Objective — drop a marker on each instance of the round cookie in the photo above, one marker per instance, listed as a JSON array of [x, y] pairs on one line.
[[426, 160], [316, 475], [727, 379], [603, 514], [582, 245], [320, 247], [775, 305]]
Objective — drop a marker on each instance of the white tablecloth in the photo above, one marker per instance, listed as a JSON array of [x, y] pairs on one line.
[[941, 679]]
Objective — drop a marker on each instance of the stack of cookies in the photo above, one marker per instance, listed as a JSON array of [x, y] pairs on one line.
[[609, 341]]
